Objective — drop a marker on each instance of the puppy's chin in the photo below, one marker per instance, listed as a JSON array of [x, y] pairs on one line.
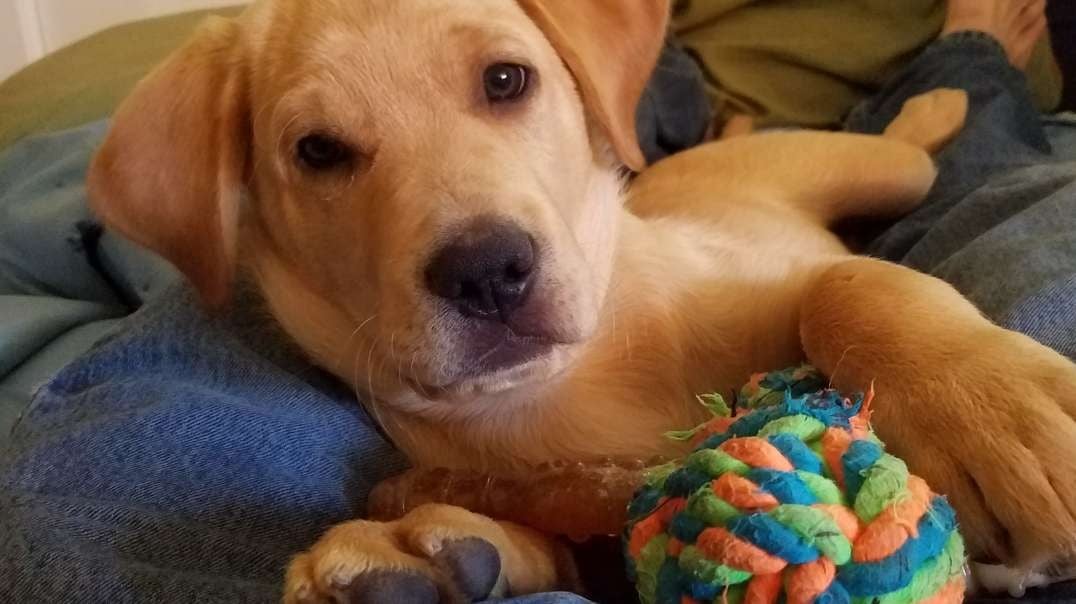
[[474, 357]]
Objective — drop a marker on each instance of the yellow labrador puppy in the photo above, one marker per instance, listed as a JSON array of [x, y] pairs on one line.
[[430, 196]]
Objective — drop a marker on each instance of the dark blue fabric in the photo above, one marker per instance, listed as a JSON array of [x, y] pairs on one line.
[[674, 113]]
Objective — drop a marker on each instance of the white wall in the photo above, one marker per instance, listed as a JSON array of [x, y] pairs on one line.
[[14, 49], [31, 28]]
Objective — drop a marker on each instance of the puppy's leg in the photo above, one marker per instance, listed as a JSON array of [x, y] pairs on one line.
[[820, 177], [737, 125], [985, 414], [825, 176], [435, 554]]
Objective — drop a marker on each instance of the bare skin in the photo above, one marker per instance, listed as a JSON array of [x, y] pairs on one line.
[[1017, 24]]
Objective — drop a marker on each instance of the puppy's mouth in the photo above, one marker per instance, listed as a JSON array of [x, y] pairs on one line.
[[499, 359], [512, 350]]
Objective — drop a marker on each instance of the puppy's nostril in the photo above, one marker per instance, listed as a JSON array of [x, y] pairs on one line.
[[519, 270], [467, 290], [514, 274], [486, 271]]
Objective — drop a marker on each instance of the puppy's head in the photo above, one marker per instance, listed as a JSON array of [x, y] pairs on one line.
[[425, 191]]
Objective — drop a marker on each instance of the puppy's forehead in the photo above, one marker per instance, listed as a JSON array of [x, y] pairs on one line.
[[374, 68], [363, 52], [325, 29]]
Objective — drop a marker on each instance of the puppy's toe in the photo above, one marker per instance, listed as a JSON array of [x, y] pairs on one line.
[[985, 537], [474, 565], [435, 554], [391, 587]]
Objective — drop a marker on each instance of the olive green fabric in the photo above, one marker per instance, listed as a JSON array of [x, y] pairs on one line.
[[808, 62], [85, 81]]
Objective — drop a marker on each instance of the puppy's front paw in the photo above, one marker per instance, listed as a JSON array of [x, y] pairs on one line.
[[435, 555], [995, 430]]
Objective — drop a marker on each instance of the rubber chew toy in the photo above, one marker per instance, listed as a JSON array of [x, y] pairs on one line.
[[794, 501], [574, 500]]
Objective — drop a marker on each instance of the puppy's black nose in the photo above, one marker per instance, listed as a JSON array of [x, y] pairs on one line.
[[486, 271]]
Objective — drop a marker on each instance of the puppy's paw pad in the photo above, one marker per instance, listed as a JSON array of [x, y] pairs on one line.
[[474, 565], [434, 554]]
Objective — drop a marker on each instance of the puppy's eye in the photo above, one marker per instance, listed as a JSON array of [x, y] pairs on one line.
[[322, 152], [505, 82]]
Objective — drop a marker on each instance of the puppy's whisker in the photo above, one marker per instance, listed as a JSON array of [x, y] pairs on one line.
[[418, 383], [383, 361], [612, 321], [257, 157], [397, 427], [837, 367], [411, 367], [395, 359], [283, 133], [370, 371], [351, 338], [370, 401], [366, 400], [612, 306]]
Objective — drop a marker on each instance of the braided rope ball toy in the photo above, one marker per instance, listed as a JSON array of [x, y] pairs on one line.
[[795, 501]]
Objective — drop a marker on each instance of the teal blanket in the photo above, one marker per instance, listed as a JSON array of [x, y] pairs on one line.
[[63, 284]]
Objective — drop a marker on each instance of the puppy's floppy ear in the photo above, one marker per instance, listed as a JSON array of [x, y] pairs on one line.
[[611, 47], [170, 173]]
